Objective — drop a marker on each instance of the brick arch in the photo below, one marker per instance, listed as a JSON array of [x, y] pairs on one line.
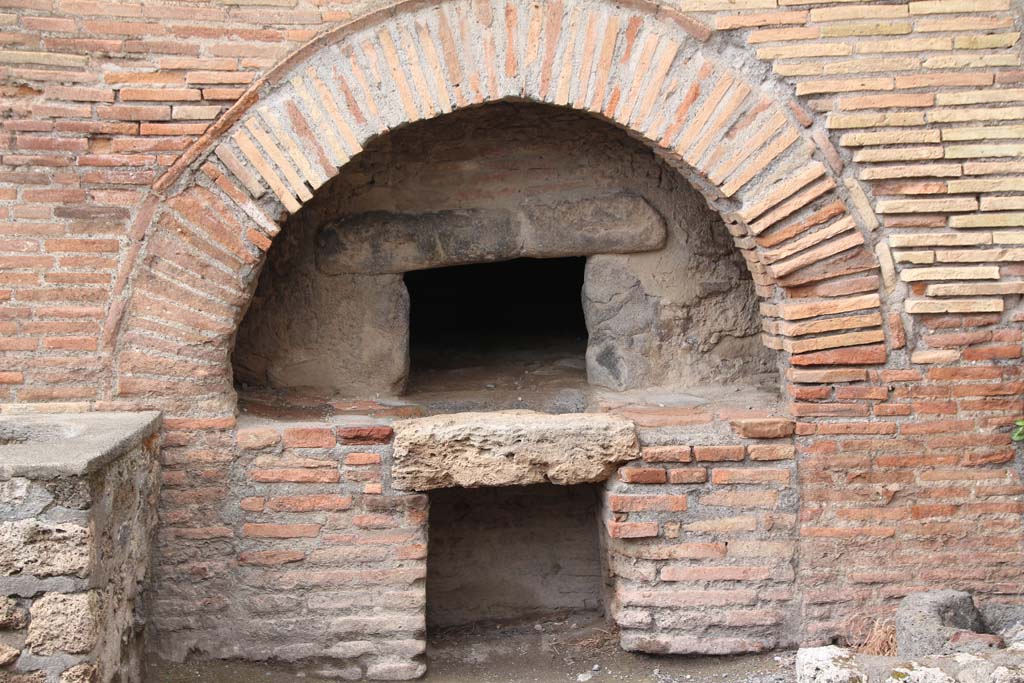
[[200, 237]]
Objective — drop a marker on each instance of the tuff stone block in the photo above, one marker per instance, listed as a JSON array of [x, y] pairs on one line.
[[513, 447]]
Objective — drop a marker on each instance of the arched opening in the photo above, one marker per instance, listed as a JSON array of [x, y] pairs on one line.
[[509, 255]]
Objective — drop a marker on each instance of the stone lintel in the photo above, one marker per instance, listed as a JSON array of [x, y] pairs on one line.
[[381, 242], [505, 448]]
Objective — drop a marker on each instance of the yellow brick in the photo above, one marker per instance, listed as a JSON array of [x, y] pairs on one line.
[[975, 151], [798, 309], [979, 255], [869, 28], [913, 118], [901, 137], [917, 258], [772, 35], [940, 239], [240, 170], [733, 21], [953, 306], [943, 80], [967, 61], [818, 253], [978, 23], [990, 167], [844, 85], [825, 376], [804, 50], [975, 114], [1008, 237], [859, 12], [968, 185], [898, 154], [980, 96], [932, 356], [911, 171], [833, 341], [1001, 203], [43, 58], [974, 288], [988, 220], [249, 149], [984, 133], [958, 6], [861, 204], [927, 205], [986, 41], [797, 68], [871, 65], [886, 265], [904, 44], [950, 273], [799, 244], [720, 5], [888, 101]]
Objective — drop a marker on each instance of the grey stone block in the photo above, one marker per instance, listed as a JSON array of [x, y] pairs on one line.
[[925, 622], [381, 242]]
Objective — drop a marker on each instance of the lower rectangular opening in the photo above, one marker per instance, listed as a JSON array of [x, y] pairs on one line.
[[513, 554]]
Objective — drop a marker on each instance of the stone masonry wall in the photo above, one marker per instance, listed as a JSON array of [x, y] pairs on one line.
[[866, 157], [74, 555]]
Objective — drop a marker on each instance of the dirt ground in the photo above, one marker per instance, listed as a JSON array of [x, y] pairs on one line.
[[574, 650]]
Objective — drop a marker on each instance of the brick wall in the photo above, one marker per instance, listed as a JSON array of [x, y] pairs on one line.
[[867, 159], [717, 578], [311, 558]]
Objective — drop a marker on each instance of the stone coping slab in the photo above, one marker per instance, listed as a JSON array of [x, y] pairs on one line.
[[510, 448], [53, 445]]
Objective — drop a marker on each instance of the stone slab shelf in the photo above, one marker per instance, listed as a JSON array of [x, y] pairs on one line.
[[78, 500]]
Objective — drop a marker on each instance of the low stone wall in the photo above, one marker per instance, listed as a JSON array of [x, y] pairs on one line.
[[77, 513]]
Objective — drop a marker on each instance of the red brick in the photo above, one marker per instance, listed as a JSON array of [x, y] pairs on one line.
[[362, 459], [280, 530], [296, 475], [687, 475], [643, 475], [749, 475], [255, 438], [632, 529], [991, 352], [309, 437], [715, 573], [718, 453], [770, 452], [271, 558], [309, 503], [666, 453], [364, 435], [252, 504], [665, 503], [763, 428]]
